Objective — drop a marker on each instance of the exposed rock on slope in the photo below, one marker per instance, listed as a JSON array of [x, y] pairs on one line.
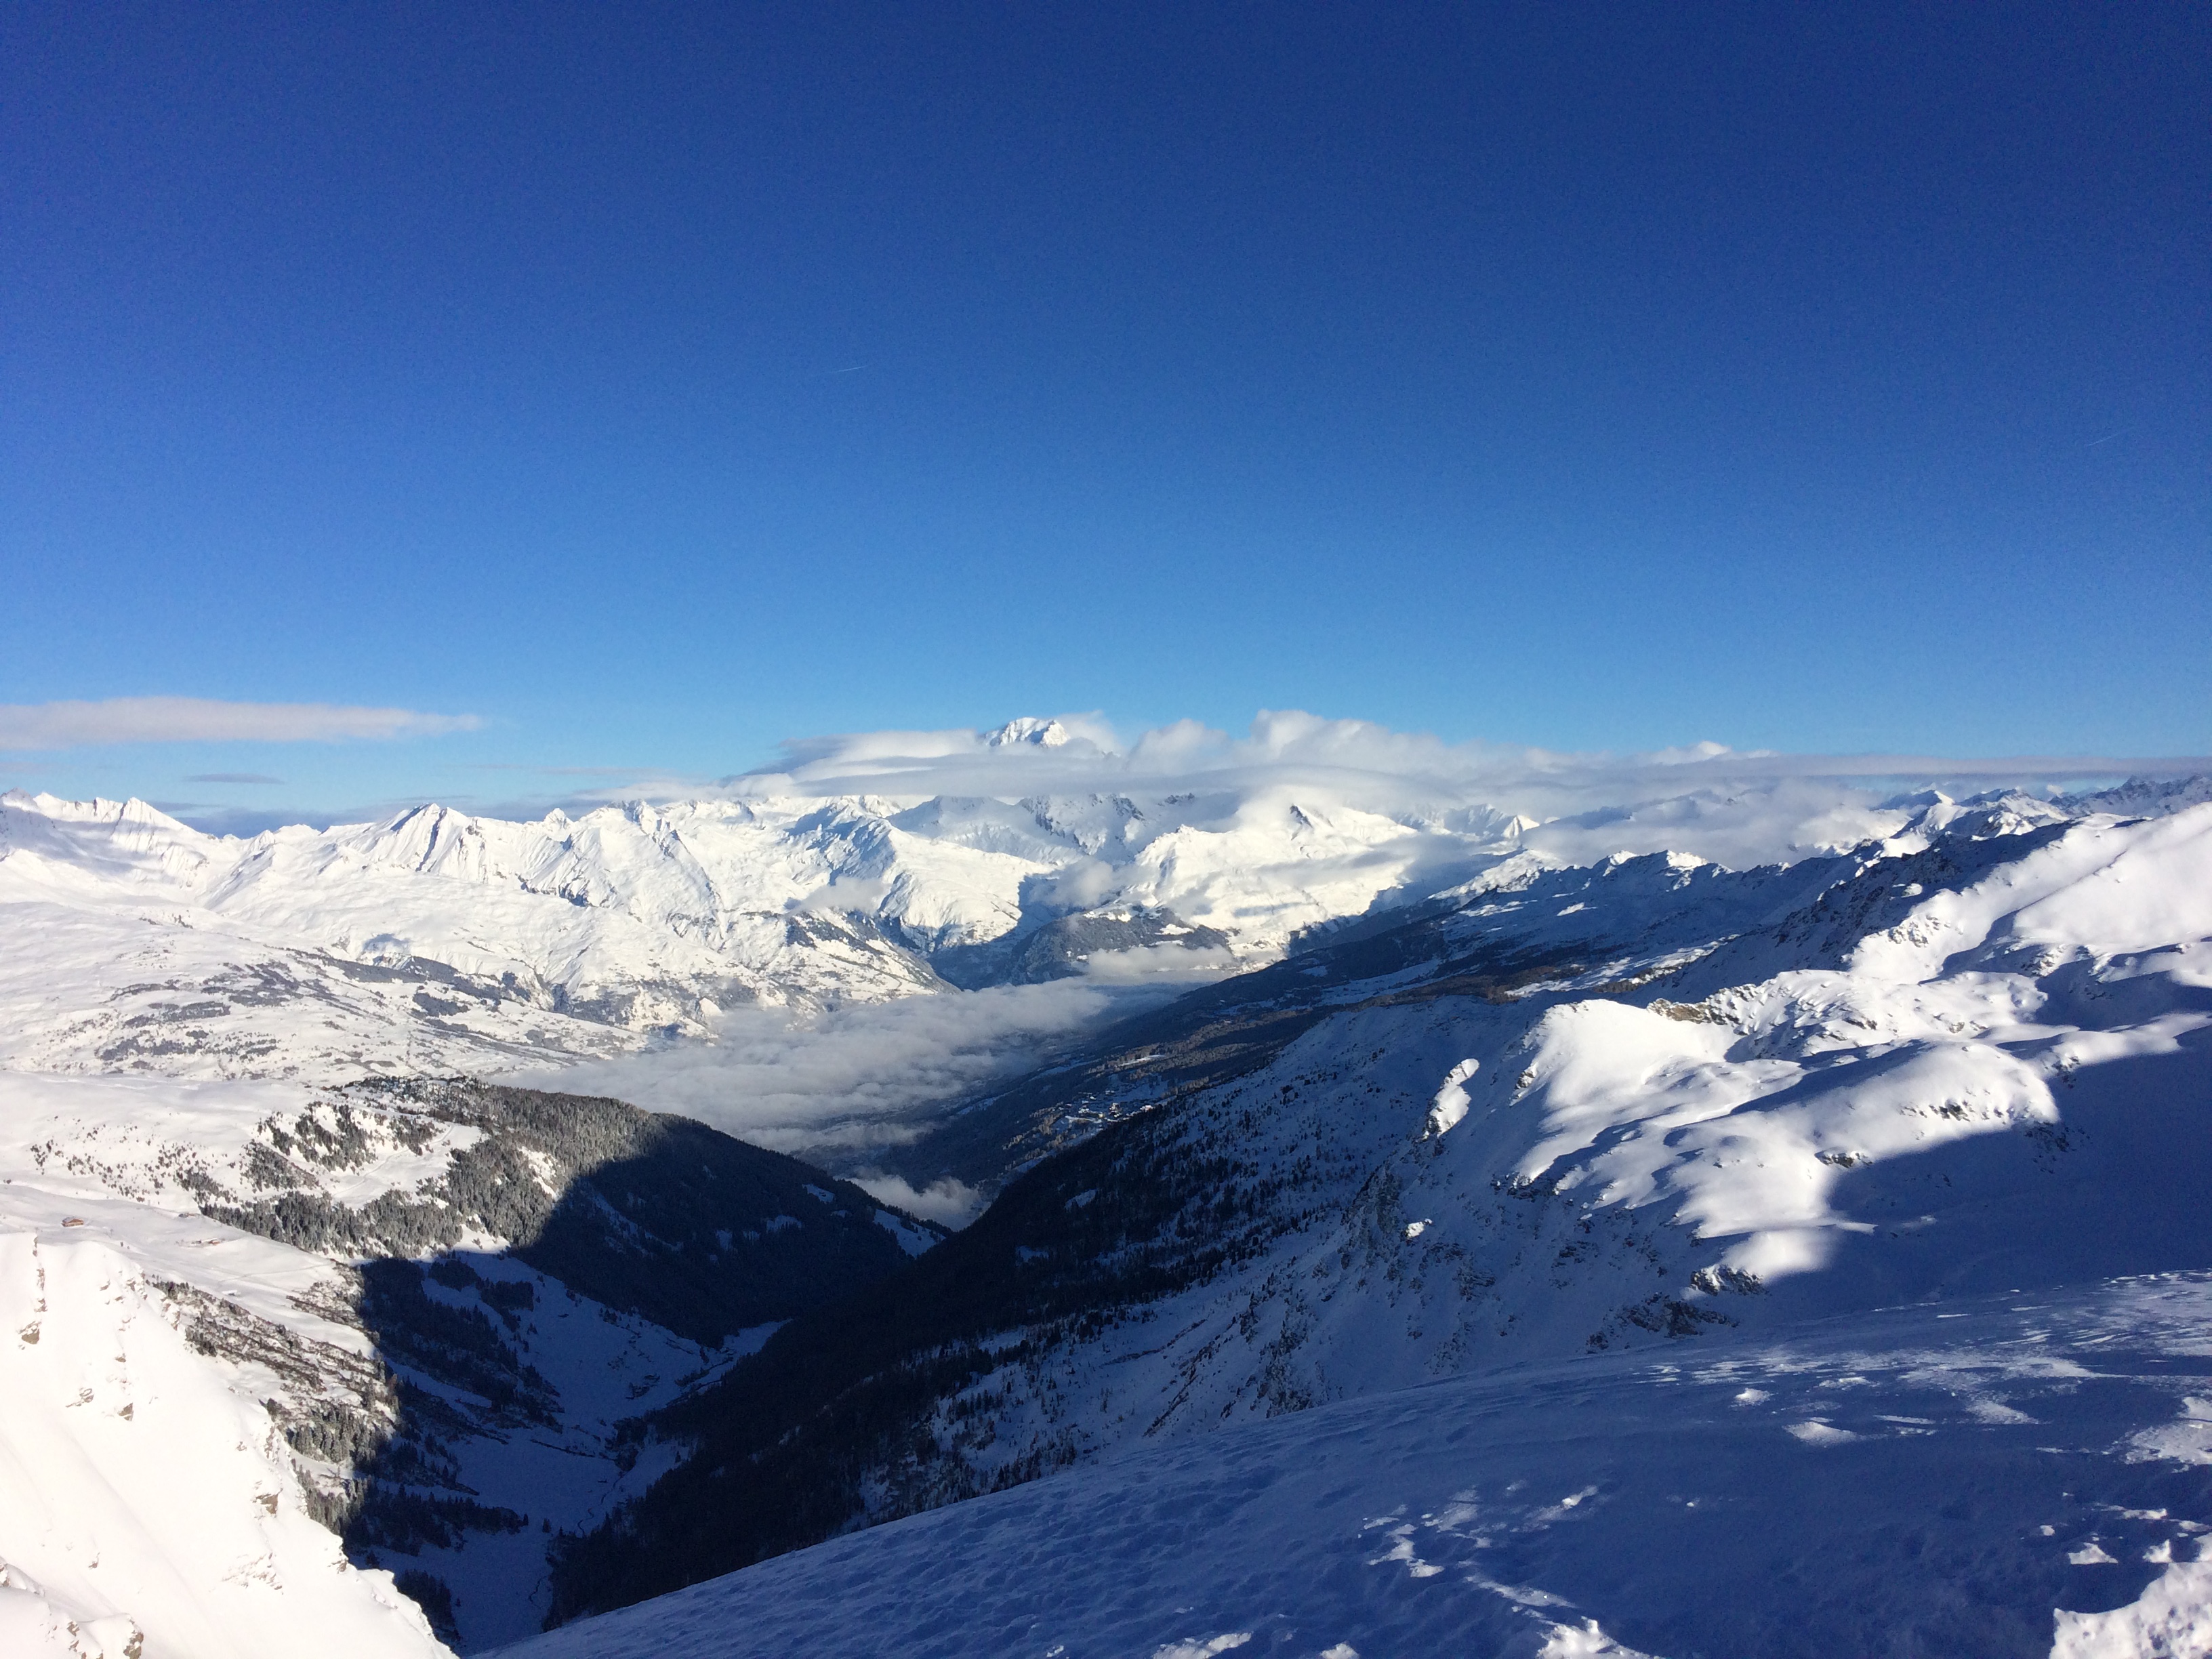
[[429, 1303], [148, 1497]]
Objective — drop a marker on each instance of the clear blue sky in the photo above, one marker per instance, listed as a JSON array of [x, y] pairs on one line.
[[659, 382]]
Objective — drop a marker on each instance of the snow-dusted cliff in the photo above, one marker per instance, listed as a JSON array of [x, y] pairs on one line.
[[219, 1350]]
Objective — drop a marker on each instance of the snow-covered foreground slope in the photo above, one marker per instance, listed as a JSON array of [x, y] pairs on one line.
[[2003, 1475], [1649, 1104], [148, 1499], [219, 1350]]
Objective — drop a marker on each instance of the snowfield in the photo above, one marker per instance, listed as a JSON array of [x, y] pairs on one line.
[[1499, 1253], [1992, 1476], [151, 1504]]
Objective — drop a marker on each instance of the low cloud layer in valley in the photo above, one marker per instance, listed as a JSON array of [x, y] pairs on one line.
[[833, 1086]]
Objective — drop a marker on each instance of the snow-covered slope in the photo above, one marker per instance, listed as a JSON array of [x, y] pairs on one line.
[[1992, 1476], [147, 1496], [221, 1349], [1638, 1104], [1904, 1088]]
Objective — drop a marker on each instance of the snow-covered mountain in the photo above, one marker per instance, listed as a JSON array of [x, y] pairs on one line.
[[1446, 1098], [1646, 1103], [247, 1323], [1987, 1476], [151, 1504], [436, 941]]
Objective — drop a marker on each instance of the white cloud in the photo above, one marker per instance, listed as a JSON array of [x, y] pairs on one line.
[[1371, 764], [1766, 821], [202, 719], [952, 1202], [1736, 806]]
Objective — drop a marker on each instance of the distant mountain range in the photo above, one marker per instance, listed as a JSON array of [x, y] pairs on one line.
[[437, 941]]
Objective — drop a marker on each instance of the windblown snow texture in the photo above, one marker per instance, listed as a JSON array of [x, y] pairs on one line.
[[1985, 1476]]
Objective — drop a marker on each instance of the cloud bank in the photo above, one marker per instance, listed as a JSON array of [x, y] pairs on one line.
[[202, 719], [1292, 747], [1735, 807], [835, 1087]]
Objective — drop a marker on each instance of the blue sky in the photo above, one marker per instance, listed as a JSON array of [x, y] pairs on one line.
[[654, 384]]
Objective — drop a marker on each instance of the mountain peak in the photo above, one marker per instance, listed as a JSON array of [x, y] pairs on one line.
[[1029, 731]]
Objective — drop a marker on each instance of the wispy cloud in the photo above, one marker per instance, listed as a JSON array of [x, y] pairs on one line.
[[203, 720]]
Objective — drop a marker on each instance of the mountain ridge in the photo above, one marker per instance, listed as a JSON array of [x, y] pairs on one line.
[[435, 941]]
